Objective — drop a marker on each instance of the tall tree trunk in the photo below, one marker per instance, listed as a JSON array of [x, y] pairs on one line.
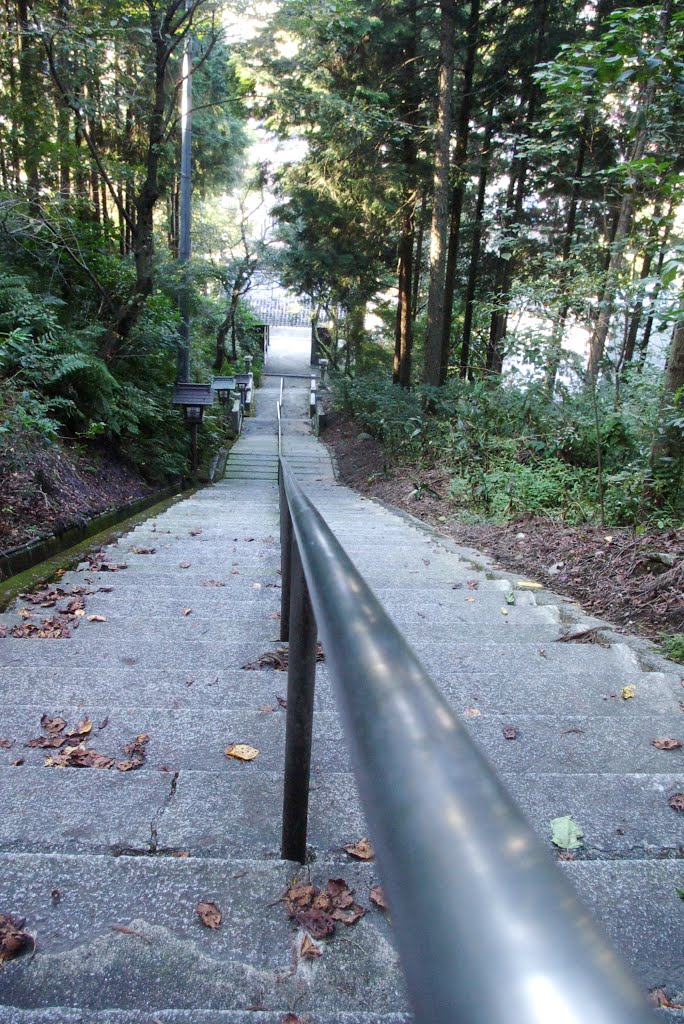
[[646, 336], [404, 335], [418, 256], [653, 244], [667, 451], [599, 335], [409, 105], [553, 361], [440, 198], [514, 203], [458, 168], [29, 85], [475, 246]]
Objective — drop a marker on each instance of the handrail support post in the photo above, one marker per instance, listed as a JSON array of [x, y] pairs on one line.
[[301, 679]]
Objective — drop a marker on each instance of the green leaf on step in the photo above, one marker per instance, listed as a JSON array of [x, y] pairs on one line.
[[510, 597], [566, 833], [680, 893]]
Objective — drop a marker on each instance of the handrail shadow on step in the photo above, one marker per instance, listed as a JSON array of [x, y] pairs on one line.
[[487, 927]]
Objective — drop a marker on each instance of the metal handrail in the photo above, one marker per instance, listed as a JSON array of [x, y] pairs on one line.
[[487, 928]]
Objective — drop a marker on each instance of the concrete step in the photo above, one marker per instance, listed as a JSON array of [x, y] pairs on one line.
[[193, 738], [85, 961]]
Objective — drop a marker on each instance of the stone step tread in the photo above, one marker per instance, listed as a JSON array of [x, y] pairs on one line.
[[496, 690], [196, 738], [82, 959], [237, 812], [71, 1015]]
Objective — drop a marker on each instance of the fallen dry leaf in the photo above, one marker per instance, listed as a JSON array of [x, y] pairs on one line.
[[525, 585], [377, 897], [96, 618], [82, 729], [361, 849], [627, 692], [584, 636], [209, 914], [282, 701], [317, 922], [241, 752], [676, 802], [510, 732], [659, 997], [13, 938], [17, 762], [5, 743], [308, 947], [472, 712], [667, 744], [212, 583], [129, 931], [265, 708], [185, 611], [45, 742], [143, 551], [55, 896], [184, 565]]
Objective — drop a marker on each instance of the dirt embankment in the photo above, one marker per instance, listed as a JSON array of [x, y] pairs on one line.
[[635, 581], [55, 487]]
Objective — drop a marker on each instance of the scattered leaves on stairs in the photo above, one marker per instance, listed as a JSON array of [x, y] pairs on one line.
[[584, 636], [667, 743], [676, 802], [659, 997]]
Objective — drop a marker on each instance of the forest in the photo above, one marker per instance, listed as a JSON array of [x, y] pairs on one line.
[[485, 209]]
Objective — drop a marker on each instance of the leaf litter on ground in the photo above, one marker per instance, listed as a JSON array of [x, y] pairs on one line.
[[277, 660], [14, 940], [319, 910]]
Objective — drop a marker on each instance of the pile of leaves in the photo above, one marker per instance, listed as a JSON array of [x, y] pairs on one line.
[[57, 626], [319, 910], [74, 751], [278, 659]]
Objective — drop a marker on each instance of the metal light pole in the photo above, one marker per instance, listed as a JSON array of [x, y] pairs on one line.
[[185, 215]]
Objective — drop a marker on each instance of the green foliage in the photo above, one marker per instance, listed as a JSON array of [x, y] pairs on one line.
[[673, 647], [510, 452]]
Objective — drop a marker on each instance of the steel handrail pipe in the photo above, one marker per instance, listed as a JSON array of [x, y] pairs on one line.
[[488, 929]]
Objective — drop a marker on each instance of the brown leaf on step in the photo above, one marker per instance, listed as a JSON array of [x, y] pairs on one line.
[[143, 551], [17, 762], [291, 1018], [212, 583], [209, 914], [510, 732], [348, 917], [676, 802], [276, 660], [667, 744], [3, 632], [282, 702], [55, 896], [361, 849], [317, 922], [659, 997], [265, 708], [13, 939], [308, 948], [55, 628], [473, 584], [276, 615], [96, 618], [105, 590], [103, 724], [45, 742], [24, 613], [377, 897], [584, 636], [184, 565], [194, 533], [339, 892], [301, 894], [82, 729], [185, 611], [241, 751], [5, 743]]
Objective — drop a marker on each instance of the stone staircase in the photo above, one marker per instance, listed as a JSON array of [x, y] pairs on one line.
[[108, 866]]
